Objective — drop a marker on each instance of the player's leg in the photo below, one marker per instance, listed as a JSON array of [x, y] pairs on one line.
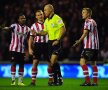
[[34, 71], [36, 57], [20, 59], [95, 73], [83, 60], [94, 68], [50, 73], [13, 67], [46, 56]]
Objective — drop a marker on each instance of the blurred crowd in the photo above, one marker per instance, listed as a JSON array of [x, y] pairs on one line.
[[69, 10]]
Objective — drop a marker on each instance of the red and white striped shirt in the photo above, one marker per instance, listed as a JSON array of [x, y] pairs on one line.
[[91, 41], [19, 34], [37, 27]]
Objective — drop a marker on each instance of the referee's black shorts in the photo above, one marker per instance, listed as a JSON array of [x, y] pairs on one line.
[[90, 54], [56, 49], [40, 49]]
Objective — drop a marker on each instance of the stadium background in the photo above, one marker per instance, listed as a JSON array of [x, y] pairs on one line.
[[70, 11]]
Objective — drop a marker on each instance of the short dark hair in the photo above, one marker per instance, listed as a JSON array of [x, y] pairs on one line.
[[20, 14]]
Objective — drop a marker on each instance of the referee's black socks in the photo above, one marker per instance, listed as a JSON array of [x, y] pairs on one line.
[[56, 71]]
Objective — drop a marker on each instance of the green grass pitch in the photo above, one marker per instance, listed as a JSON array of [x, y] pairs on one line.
[[69, 84]]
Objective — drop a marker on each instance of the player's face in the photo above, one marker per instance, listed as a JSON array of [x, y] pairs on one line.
[[85, 14], [47, 11], [39, 16], [22, 19]]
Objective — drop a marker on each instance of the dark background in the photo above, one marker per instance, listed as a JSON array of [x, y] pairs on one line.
[[69, 10]]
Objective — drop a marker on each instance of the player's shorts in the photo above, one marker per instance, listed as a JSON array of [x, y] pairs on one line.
[[56, 49], [17, 57], [40, 50], [90, 54]]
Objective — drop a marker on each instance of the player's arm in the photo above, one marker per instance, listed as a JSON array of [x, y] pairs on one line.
[[77, 42], [8, 28], [42, 33], [30, 42]]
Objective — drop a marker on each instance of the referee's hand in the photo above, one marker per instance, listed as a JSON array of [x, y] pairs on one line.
[[55, 42], [77, 42]]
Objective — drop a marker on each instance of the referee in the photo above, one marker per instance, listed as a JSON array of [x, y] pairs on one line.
[[55, 28]]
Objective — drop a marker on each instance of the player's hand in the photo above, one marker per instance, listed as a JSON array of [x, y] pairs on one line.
[[30, 51], [77, 42], [55, 42], [2, 26], [5, 28], [33, 32]]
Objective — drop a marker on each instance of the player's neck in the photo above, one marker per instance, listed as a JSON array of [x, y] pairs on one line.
[[87, 18], [21, 24], [40, 21]]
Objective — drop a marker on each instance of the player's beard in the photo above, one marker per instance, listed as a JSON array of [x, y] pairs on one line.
[[23, 22]]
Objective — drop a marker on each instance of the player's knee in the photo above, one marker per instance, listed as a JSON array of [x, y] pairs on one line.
[[82, 61], [93, 63], [53, 62], [35, 62], [21, 66], [13, 63]]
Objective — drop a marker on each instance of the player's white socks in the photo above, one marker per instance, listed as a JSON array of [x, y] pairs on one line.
[[13, 71], [13, 77], [20, 78]]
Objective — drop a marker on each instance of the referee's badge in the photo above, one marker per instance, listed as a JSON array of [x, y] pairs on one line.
[[60, 21], [52, 24]]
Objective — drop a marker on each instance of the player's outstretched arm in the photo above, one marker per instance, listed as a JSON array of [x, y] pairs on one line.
[[3, 27], [8, 28], [42, 33]]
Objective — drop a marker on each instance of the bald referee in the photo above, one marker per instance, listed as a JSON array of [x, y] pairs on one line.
[[55, 28]]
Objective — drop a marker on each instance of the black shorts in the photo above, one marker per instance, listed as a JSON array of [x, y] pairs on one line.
[[17, 57], [90, 54], [56, 49], [40, 50]]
